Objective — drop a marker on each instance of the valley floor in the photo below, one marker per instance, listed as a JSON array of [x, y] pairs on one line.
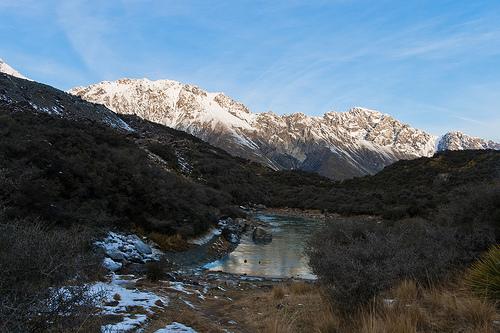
[[217, 302], [195, 300]]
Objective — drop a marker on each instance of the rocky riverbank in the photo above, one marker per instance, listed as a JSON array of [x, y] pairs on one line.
[[127, 252]]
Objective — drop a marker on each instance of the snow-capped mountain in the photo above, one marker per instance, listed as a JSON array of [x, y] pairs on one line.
[[5, 68], [460, 141], [338, 144]]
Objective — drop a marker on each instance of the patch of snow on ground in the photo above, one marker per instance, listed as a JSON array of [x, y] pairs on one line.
[[206, 237], [188, 303], [185, 167], [179, 286], [212, 265], [128, 298], [128, 324], [176, 328]]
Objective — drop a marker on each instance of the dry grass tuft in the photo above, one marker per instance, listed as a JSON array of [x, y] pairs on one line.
[[406, 291], [458, 310], [387, 323], [169, 242], [280, 323], [303, 310], [300, 288], [278, 292], [434, 310]]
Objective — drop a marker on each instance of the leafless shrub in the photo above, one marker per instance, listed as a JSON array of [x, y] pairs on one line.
[[42, 285]]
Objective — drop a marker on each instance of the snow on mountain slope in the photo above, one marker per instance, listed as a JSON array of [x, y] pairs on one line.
[[338, 144], [460, 141], [5, 68], [43, 98]]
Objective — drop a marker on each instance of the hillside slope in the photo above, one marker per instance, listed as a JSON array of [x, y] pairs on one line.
[[67, 172], [46, 99], [405, 188], [72, 166], [338, 145]]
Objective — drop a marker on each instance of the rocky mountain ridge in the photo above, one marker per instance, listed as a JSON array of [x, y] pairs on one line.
[[339, 145], [15, 91]]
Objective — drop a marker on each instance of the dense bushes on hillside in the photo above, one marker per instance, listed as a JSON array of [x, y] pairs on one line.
[[65, 171], [359, 257], [76, 172], [404, 189]]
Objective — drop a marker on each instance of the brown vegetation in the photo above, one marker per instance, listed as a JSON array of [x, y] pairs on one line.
[[42, 285], [406, 308]]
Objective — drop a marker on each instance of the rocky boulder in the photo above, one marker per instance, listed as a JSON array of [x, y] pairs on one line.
[[142, 247], [123, 249], [111, 264], [232, 229], [261, 236]]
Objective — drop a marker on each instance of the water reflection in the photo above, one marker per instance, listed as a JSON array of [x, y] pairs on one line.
[[283, 257]]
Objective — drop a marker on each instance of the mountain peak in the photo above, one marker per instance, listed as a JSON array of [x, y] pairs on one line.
[[7, 69], [337, 144], [360, 109], [457, 140]]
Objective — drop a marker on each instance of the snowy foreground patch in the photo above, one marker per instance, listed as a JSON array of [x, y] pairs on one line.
[[176, 328], [131, 308], [119, 301]]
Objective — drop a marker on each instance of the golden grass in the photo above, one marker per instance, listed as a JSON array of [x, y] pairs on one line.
[[429, 310], [280, 324], [406, 291], [413, 309], [169, 242], [165, 242], [297, 307], [300, 288], [278, 292]]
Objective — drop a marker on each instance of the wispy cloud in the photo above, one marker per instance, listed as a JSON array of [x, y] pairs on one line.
[[87, 33], [416, 60]]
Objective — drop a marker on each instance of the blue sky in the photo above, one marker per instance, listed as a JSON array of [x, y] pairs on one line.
[[433, 64]]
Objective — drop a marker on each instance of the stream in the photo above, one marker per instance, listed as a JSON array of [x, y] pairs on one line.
[[282, 258]]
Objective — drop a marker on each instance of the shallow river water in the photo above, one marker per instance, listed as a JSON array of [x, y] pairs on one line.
[[283, 257]]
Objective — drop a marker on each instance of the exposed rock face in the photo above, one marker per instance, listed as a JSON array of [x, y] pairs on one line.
[[460, 141], [261, 236], [338, 145]]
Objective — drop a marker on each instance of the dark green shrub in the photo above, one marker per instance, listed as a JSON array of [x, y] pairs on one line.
[[81, 173], [357, 258]]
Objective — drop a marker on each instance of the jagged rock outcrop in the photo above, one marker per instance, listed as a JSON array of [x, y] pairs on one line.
[[460, 141], [338, 144]]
